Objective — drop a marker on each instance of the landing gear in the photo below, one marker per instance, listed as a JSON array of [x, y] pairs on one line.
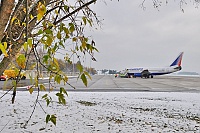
[[146, 74]]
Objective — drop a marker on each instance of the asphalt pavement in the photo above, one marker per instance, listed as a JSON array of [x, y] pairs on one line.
[[22, 85], [108, 83]]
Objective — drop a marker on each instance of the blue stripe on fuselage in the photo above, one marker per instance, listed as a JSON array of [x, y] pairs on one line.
[[139, 74]]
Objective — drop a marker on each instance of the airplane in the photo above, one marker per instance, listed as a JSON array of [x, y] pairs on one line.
[[145, 72]]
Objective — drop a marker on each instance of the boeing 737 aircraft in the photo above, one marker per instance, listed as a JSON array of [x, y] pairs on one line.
[[150, 72]]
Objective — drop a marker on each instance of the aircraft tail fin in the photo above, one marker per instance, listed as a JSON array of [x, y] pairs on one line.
[[178, 60]]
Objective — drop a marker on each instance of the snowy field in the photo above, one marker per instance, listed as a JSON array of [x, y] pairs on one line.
[[104, 112]]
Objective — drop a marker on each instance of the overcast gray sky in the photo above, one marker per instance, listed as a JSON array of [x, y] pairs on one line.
[[132, 37]]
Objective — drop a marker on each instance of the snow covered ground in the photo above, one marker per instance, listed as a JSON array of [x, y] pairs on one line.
[[104, 112]]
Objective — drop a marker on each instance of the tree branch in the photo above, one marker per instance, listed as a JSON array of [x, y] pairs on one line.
[[76, 10]]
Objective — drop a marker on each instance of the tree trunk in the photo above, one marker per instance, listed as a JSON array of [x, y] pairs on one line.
[[6, 8], [15, 45]]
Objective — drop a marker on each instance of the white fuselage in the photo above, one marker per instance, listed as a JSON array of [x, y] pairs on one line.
[[154, 71]]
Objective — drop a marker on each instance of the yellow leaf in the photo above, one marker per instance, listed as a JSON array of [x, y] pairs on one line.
[[31, 16], [13, 19], [74, 39], [49, 41], [21, 60], [30, 90], [86, 73], [24, 24], [24, 10], [84, 44], [55, 61], [36, 82], [41, 11], [84, 20], [56, 11], [25, 46], [71, 28], [53, 119], [65, 78], [42, 87], [84, 79], [39, 17], [59, 35], [2, 48], [30, 42], [5, 45]]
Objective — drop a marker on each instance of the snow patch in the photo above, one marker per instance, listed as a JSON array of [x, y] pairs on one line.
[[104, 112]]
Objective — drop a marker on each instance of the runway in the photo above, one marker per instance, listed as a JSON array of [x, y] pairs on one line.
[[108, 83]]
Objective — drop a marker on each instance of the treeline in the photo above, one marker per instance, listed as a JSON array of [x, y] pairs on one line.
[[108, 71], [72, 67]]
